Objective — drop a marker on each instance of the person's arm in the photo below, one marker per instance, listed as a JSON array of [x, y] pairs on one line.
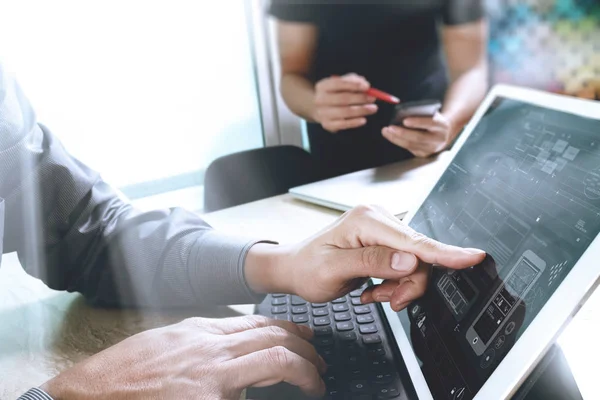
[[297, 44], [465, 44], [337, 103], [72, 230], [466, 55]]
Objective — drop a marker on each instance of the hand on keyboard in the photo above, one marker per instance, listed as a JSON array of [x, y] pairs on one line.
[[365, 242], [198, 358]]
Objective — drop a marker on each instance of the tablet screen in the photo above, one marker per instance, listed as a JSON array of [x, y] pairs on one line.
[[525, 187]]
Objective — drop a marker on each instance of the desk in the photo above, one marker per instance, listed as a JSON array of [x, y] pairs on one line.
[[43, 331]]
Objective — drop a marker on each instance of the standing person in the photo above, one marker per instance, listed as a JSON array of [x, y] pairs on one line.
[[332, 53]]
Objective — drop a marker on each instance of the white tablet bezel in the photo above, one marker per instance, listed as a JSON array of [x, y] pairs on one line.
[[564, 302]]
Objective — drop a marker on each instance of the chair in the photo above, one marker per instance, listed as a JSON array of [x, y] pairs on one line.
[[256, 174]]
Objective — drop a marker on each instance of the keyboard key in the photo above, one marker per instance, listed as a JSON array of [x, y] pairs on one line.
[[327, 353], [357, 292], [376, 353], [365, 319], [342, 316], [347, 336], [318, 305], [278, 301], [349, 347], [279, 310], [330, 380], [299, 310], [371, 339], [323, 331], [361, 397], [383, 378], [359, 387], [344, 326], [279, 295], [362, 309], [379, 364], [320, 312], [366, 329], [323, 341], [300, 318], [298, 301], [387, 392], [333, 394], [356, 301], [356, 374], [351, 360], [340, 307], [339, 301], [282, 317], [320, 321]]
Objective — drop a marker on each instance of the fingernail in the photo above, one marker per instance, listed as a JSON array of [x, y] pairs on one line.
[[474, 251], [382, 298], [407, 122], [398, 303], [403, 262]]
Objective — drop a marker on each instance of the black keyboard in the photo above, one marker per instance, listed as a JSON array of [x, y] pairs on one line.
[[354, 342]]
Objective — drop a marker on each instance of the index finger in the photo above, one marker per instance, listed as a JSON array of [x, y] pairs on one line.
[[375, 229], [346, 83], [428, 123], [228, 326], [420, 123]]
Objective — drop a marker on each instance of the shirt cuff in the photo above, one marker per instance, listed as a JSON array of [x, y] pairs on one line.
[[35, 394], [216, 268]]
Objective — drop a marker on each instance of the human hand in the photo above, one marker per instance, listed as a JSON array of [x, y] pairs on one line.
[[197, 358], [365, 242], [422, 136], [340, 102]]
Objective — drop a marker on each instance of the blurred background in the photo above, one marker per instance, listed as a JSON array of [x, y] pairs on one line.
[[149, 92]]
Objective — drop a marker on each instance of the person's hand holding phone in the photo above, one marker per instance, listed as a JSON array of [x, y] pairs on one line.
[[423, 136], [341, 103]]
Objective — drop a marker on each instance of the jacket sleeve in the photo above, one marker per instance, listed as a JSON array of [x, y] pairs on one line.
[[74, 232]]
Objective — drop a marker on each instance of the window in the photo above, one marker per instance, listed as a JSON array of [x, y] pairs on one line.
[[148, 92]]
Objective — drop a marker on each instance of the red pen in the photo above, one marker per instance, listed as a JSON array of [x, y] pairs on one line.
[[383, 96]]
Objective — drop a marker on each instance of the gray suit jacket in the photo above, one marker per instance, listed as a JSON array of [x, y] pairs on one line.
[[71, 229]]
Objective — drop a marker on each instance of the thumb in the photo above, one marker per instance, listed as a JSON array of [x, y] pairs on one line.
[[377, 262]]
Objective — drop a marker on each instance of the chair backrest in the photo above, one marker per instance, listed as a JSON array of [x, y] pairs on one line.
[[256, 174]]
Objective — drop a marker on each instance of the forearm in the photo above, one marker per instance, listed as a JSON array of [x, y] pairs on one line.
[[464, 95], [83, 237], [72, 230], [298, 92]]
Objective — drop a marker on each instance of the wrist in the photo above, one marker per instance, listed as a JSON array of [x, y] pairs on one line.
[[267, 268], [313, 115], [53, 389]]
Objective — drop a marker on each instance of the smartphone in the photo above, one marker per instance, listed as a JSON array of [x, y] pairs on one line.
[[421, 108], [492, 319]]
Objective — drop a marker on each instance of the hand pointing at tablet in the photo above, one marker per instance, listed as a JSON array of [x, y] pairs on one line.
[[365, 242]]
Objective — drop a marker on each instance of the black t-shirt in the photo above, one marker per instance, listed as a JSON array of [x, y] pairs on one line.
[[395, 45]]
